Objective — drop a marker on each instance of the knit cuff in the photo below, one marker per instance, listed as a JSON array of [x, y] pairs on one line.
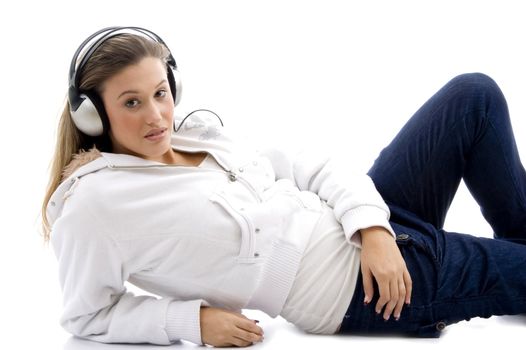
[[183, 321], [364, 217]]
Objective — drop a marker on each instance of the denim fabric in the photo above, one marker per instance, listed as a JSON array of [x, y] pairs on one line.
[[462, 132]]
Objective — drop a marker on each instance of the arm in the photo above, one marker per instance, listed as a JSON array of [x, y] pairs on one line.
[[96, 304], [364, 217], [354, 198]]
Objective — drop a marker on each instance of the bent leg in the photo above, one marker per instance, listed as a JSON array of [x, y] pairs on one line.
[[463, 131]]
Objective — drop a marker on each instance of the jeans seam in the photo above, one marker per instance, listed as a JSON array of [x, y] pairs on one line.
[[435, 151]]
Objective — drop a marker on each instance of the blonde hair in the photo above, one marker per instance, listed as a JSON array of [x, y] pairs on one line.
[[115, 54]]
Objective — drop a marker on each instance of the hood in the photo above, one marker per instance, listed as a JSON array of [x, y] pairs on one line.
[[79, 159]]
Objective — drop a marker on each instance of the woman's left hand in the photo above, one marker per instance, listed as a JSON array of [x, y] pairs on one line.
[[381, 259]]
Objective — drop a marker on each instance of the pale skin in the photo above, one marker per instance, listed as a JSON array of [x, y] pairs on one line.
[[138, 100]]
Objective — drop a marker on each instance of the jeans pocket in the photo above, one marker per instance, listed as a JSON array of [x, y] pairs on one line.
[[407, 238]]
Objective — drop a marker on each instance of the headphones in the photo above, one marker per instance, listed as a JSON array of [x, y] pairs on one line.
[[86, 107]]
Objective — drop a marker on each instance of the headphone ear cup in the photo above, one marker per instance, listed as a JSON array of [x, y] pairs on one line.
[[87, 117], [174, 79]]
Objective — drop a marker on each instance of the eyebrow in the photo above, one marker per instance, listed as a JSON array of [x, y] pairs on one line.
[[136, 92]]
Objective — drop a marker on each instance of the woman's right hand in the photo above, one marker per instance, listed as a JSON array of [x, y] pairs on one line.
[[222, 328]]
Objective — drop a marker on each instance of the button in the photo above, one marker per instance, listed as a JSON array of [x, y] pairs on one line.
[[440, 326], [241, 170], [256, 255], [257, 230], [52, 203], [241, 209], [402, 237]]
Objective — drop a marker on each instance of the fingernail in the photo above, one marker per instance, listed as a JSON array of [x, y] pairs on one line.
[[366, 300]]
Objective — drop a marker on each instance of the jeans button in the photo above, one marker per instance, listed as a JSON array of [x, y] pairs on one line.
[[440, 326], [402, 237]]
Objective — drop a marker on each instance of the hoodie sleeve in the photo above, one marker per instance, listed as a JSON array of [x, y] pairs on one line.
[[353, 197], [96, 305]]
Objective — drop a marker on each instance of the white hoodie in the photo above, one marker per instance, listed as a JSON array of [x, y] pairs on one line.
[[230, 238]]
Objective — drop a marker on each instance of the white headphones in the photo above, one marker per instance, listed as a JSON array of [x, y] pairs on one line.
[[86, 107]]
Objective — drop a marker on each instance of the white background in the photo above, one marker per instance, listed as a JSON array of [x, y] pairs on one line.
[[342, 75]]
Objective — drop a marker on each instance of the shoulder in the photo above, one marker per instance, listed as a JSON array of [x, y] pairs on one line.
[[80, 159]]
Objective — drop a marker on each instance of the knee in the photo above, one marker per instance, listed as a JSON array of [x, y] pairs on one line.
[[476, 82], [478, 88]]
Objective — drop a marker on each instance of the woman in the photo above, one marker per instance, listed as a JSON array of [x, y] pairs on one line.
[[212, 228]]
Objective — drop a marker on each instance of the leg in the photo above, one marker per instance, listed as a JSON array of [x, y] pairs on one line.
[[457, 277], [463, 131]]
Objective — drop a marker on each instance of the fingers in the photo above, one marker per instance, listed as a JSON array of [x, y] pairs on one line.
[[244, 338], [385, 295], [247, 332], [393, 295], [401, 299], [367, 285], [408, 285], [241, 337], [250, 326]]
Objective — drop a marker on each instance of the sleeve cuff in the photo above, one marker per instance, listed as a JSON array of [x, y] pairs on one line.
[[364, 217], [183, 322]]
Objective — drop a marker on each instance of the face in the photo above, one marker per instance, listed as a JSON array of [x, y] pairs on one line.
[[140, 110]]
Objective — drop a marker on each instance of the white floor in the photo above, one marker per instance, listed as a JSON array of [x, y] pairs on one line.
[[476, 334]]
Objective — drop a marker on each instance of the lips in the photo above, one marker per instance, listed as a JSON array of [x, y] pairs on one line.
[[155, 132]]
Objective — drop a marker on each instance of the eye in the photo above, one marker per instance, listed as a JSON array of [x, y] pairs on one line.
[[131, 103], [161, 93]]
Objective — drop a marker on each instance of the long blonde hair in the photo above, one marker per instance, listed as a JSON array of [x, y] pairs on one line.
[[115, 54]]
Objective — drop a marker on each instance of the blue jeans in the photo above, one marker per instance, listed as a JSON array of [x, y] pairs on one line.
[[462, 132]]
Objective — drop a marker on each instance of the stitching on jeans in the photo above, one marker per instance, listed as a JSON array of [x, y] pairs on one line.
[[510, 174]]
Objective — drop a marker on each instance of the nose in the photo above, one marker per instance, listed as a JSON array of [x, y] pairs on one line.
[[153, 114]]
